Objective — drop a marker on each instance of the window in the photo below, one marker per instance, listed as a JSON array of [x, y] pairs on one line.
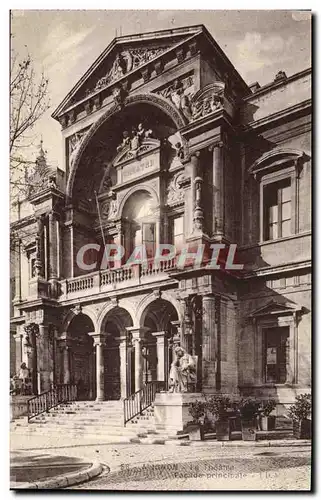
[[140, 223], [148, 232], [276, 344], [178, 232], [277, 208]]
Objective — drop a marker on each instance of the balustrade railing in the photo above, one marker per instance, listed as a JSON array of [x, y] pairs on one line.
[[49, 399], [112, 276], [79, 284], [119, 275], [155, 267], [140, 400]]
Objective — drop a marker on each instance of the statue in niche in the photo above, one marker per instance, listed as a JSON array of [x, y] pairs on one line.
[[182, 372]]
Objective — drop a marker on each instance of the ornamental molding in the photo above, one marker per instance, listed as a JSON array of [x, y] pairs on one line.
[[133, 151], [175, 193]]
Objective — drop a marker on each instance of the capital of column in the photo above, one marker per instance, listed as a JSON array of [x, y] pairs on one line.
[[64, 342], [209, 297], [99, 339], [137, 333], [160, 337], [159, 334], [215, 145]]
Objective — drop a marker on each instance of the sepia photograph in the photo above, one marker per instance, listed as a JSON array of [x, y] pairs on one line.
[[160, 250]]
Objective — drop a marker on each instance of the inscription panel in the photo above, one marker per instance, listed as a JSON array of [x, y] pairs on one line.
[[140, 167]]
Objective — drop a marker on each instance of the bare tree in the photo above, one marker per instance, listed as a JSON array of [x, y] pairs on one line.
[[28, 102]]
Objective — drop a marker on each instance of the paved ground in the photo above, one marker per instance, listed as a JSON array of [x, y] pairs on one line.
[[171, 467]]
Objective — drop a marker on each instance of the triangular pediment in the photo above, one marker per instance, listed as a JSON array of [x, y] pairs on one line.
[[274, 307], [121, 58], [127, 153]]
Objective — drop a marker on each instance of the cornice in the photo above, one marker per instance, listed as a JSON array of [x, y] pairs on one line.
[[274, 85], [278, 269], [302, 107]]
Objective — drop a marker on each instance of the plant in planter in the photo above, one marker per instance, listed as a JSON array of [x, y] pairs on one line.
[[249, 409], [266, 420], [196, 428], [220, 407], [299, 412]]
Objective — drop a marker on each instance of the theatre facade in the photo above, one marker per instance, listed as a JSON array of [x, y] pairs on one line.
[[165, 143]]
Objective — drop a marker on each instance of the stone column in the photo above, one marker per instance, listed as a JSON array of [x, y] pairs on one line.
[[218, 189], [99, 342], [123, 366], [194, 173], [66, 363], [138, 364], [138, 335], [18, 340], [39, 264], [291, 352], [17, 271], [43, 365], [160, 346], [52, 226], [209, 341]]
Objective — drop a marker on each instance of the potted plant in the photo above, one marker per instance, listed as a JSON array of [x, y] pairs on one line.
[[220, 407], [249, 409], [196, 428], [299, 412], [266, 420]]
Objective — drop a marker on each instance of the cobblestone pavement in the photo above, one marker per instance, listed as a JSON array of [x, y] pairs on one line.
[[204, 467]]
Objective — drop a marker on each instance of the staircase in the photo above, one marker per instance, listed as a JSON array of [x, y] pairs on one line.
[[103, 421]]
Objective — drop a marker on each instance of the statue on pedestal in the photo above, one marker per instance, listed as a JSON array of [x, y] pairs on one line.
[[182, 372]]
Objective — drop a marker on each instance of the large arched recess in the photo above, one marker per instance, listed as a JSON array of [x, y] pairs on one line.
[[100, 143]]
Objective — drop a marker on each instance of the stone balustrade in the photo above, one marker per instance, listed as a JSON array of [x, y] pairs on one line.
[[116, 278]]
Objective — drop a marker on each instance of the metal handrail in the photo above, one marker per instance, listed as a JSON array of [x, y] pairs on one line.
[[50, 399], [140, 400]]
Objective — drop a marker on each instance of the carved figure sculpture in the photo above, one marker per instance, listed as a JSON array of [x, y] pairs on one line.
[[134, 142], [125, 142], [74, 145], [182, 372]]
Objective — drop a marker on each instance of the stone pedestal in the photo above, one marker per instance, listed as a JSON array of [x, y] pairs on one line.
[[171, 410]]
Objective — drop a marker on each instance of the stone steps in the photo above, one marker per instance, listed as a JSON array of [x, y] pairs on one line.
[[89, 419]]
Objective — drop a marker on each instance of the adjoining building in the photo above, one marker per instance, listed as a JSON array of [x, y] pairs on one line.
[[164, 142]]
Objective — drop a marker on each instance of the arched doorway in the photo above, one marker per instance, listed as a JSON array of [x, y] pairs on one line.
[[117, 371], [82, 356], [140, 223], [159, 318]]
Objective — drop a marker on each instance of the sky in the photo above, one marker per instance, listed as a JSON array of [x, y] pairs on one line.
[[64, 43]]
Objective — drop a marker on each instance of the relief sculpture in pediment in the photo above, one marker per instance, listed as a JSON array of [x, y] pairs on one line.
[[124, 62]]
